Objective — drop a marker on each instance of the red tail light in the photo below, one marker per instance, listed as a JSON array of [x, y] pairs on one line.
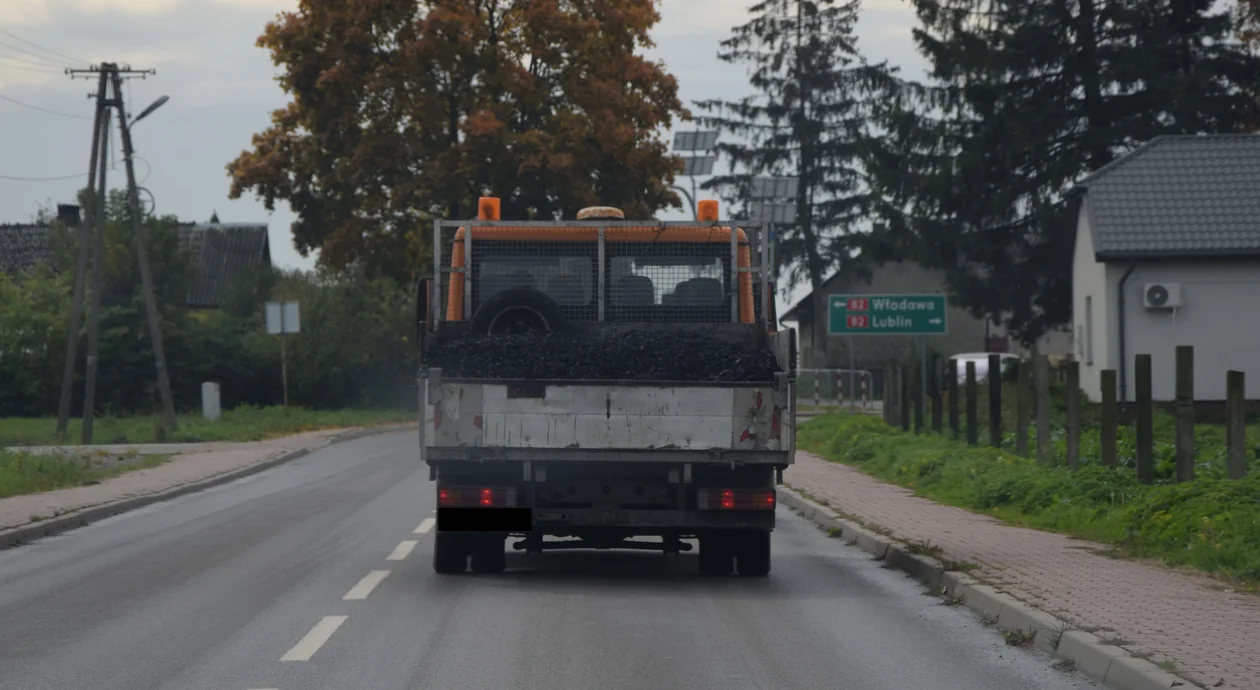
[[477, 496], [735, 499]]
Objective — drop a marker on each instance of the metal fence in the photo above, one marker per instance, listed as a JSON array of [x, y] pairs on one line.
[[836, 388], [602, 270]]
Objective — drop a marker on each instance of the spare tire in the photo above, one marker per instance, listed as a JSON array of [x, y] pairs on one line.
[[518, 310]]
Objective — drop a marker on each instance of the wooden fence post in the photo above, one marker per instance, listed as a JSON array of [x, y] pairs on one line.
[[1185, 413], [995, 401], [1041, 373], [919, 392], [1235, 384], [1021, 407], [973, 428], [903, 399], [1110, 418], [951, 385], [1145, 430], [1074, 414], [890, 393], [934, 373]]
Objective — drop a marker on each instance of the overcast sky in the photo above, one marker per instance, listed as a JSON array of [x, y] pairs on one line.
[[221, 91]]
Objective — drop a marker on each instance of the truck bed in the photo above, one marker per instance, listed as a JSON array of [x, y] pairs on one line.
[[573, 418]]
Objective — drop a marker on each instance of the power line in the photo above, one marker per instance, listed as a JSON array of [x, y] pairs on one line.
[[20, 49], [75, 60], [29, 61], [14, 101], [41, 70], [42, 179]]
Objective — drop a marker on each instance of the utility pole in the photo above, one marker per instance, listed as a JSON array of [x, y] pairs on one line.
[[98, 257], [99, 127], [142, 256], [110, 74]]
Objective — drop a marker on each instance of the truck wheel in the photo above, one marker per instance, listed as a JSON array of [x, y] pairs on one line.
[[754, 554], [488, 554], [450, 553], [518, 310], [716, 558]]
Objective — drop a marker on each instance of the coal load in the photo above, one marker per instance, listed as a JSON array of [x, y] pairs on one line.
[[682, 356]]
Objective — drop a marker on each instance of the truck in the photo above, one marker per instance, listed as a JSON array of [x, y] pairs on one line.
[[557, 455]]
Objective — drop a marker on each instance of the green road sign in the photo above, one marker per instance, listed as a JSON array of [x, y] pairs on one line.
[[886, 315]]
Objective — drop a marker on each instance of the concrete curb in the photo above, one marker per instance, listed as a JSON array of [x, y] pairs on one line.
[[19, 536], [1109, 665]]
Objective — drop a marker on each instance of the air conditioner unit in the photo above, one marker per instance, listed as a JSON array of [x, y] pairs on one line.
[[1161, 295]]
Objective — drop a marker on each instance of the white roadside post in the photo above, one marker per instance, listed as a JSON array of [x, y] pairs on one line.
[[210, 401], [282, 319]]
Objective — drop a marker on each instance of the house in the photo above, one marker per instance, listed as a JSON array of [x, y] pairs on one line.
[[222, 252], [1168, 253], [965, 333]]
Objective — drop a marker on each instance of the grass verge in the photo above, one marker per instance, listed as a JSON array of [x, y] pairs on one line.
[[239, 424], [22, 473], [1211, 524]]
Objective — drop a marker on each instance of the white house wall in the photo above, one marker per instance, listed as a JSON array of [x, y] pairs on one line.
[[1092, 327], [1219, 316]]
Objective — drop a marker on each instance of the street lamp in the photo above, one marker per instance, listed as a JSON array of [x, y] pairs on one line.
[[149, 110], [697, 164]]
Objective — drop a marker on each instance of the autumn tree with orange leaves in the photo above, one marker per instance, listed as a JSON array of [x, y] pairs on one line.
[[404, 111]]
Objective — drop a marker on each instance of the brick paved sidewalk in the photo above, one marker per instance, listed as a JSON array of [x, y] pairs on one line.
[[196, 462], [1209, 632]]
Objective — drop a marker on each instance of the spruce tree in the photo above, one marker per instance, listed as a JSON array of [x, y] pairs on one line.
[[1025, 98], [806, 119]]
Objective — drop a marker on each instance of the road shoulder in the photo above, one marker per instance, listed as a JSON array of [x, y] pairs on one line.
[[26, 518]]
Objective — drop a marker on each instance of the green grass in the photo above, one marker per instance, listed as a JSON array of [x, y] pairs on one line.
[[22, 473], [1211, 524], [240, 424]]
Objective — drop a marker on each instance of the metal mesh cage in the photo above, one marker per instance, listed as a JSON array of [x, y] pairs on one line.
[[605, 270]]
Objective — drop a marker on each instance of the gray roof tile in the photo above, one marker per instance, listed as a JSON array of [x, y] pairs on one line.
[[1187, 195], [23, 247], [221, 253]]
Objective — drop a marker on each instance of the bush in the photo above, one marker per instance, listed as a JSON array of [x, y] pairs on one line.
[[355, 349], [1212, 524]]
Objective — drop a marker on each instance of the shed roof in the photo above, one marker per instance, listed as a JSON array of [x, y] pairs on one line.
[[222, 252], [1178, 196]]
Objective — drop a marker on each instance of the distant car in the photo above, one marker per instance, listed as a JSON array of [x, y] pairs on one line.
[[982, 364]]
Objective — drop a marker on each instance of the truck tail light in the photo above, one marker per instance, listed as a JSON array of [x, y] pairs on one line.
[[735, 499], [477, 497]]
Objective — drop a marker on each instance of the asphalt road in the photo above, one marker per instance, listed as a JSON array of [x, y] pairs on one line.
[[317, 574]]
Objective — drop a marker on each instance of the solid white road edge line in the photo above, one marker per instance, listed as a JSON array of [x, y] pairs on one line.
[[366, 585], [401, 551], [425, 526], [306, 648]]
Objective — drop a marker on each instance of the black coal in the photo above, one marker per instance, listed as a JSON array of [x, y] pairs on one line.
[[684, 356]]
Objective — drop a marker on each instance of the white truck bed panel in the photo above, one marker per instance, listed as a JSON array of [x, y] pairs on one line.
[[481, 415]]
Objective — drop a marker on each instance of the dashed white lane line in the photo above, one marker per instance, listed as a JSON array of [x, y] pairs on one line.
[[401, 551], [366, 585], [425, 526], [306, 648]]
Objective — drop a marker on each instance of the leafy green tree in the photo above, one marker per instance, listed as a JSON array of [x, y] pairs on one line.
[[34, 314]]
